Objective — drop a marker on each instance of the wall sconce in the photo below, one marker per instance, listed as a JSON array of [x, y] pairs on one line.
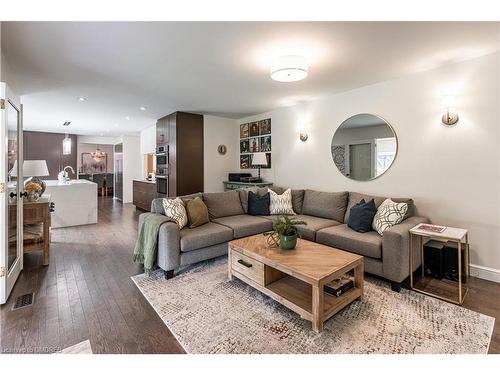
[[450, 117], [303, 133]]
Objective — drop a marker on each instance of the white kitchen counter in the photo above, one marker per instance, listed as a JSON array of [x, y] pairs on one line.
[[75, 202]]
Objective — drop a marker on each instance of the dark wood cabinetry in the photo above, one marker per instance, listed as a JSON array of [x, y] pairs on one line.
[[183, 133], [143, 194]]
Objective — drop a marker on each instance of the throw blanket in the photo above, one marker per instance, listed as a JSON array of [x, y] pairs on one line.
[[145, 247]]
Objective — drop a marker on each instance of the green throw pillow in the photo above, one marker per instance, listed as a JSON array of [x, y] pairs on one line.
[[197, 212]]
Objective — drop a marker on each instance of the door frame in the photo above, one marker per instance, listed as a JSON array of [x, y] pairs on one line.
[[9, 277]]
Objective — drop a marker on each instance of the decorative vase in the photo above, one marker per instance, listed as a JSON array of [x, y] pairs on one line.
[[288, 242], [33, 196], [39, 182]]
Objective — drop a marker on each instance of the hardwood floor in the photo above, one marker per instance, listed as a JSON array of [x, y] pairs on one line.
[[86, 293]]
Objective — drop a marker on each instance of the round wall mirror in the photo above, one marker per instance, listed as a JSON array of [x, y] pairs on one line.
[[364, 147]]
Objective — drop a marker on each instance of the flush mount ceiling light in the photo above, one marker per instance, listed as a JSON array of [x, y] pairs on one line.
[[289, 68]]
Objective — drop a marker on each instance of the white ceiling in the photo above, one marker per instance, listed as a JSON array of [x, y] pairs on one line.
[[211, 67]]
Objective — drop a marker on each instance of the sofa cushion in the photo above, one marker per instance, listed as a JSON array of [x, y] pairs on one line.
[[223, 204], [203, 236], [258, 205], [325, 205], [361, 216], [368, 244], [297, 196], [157, 203], [281, 204], [314, 224], [197, 212], [174, 209], [244, 196], [245, 225], [356, 197], [389, 214]]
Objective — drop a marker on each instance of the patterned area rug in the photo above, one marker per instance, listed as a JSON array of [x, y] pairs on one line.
[[209, 314]]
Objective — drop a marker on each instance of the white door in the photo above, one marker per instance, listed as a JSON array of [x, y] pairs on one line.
[[11, 188], [360, 161]]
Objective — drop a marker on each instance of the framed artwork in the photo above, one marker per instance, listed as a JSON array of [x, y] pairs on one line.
[[245, 146], [268, 156], [244, 161], [265, 126], [254, 144], [244, 131], [254, 129], [90, 165], [265, 143]]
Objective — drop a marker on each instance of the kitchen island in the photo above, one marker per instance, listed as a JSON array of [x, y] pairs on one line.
[[75, 202]]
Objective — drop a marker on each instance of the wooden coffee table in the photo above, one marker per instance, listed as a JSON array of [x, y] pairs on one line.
[[295, 278]]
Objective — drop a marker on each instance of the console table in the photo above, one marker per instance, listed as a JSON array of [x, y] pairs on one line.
[[233, 185]]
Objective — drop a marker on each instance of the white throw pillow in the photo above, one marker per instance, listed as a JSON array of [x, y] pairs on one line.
[[388, 214], [175, 210], [281, 204]]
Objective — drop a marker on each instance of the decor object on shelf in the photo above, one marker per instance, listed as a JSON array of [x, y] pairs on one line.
[[66, 145], [450, 117], [437, 288], [287, 230], [289, 68], [281, 204], [222, 149], [364, 147], [233, 185], [259, 160], [389, 214], [91, 165], [33, 169]]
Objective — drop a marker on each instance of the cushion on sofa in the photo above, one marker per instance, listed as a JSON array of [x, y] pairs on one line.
[[314, 224], [157, 203], [197, 212], [223, 204], [281, 204], [325, 205], [368, 244], [205, 235], [245, 225], [244, 196], [361, 216], [258, 205], [356, 197]]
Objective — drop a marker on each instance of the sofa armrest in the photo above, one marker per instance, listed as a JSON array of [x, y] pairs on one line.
[[395, 249], [169, 252]]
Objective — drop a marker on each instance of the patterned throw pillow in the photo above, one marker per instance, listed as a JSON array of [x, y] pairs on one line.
[[388, 214], [175, 210], [281, 204]]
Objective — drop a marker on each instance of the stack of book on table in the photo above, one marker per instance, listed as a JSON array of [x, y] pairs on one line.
[[339, 286]]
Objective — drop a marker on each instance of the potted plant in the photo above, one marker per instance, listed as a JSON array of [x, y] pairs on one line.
[[286, 229]]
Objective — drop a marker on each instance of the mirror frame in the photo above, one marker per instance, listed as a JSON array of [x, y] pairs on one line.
[[393, 132]]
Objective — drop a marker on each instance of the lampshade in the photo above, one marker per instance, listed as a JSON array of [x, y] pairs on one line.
[[259, 158], [31, 168]]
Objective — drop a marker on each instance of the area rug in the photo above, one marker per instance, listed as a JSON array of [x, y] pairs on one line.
[[80, 348], [207, 313]]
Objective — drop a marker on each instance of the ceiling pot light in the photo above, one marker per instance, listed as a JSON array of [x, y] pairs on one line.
[[127, 118], [82, 98], [289, 69], [142, 108]]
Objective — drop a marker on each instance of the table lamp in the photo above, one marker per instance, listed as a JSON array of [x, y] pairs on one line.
[[259, 159], [32, 169]]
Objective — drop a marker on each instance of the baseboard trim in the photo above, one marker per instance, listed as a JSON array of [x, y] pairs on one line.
[[485, 273]]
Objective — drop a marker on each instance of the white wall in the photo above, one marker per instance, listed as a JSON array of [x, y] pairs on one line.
[[453, 173], [132, 164], [219, 131], [147, 146]]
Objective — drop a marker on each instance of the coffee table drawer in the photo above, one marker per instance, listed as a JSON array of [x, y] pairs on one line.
[[251, 268]]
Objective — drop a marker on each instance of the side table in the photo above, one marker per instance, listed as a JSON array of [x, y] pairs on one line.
[[456, 235]]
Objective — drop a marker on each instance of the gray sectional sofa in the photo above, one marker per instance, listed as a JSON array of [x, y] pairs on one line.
[[325, 213]]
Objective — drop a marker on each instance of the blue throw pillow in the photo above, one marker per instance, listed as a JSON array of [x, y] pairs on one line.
[[258, 205], [361, 216]]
